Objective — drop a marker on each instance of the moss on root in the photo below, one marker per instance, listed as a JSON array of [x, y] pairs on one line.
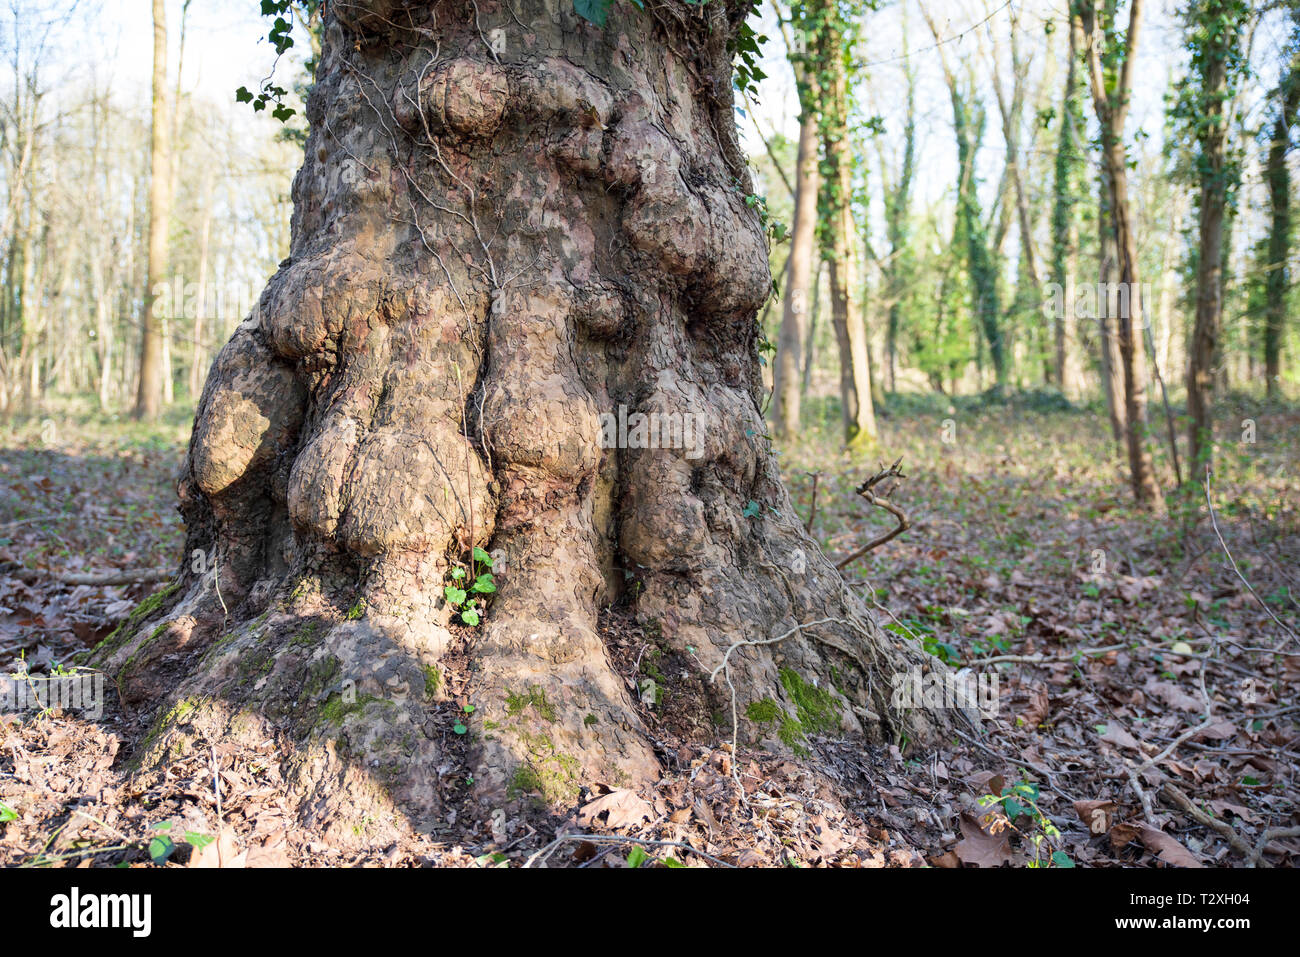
[[306, 636], [144, 645], [123, 632], [547, 772], [817, 709], [164, 723], [763, 711], [335, 709], [534, 697]]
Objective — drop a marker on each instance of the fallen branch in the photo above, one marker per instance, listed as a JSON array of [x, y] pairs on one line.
[[125, 576], [545, 853], [1223, 827], [865, 490]]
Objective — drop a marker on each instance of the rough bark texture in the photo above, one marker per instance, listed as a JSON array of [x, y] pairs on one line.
[[150, 392], [508, 222]]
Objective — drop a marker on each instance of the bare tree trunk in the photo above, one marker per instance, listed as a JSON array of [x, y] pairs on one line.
[[814, 312], [150, 393], [1112, 380], [1112, 111], [1127, 328], [803, 243], [410, 389], [1168, 278], [198, 363]]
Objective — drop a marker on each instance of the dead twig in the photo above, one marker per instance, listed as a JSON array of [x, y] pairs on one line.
[[812, 509], [865, 490], [1233, 562]]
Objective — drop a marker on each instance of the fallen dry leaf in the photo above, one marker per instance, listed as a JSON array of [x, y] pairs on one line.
[[220, 853], [623, 808], [981, 848], [1166, 847], [1097, 815]]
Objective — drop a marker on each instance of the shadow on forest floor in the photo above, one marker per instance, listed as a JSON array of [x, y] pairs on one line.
[[1110, 633]]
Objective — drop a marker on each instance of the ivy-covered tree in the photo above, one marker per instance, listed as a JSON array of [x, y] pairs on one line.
[[832, 27], [1110, 59], [1214, 31], [971, 232], [1277, 175]]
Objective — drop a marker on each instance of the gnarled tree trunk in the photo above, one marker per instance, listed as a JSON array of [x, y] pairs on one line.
[[501, 232]]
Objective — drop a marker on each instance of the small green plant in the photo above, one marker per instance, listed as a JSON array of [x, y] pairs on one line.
[[469, 588], [1037, 830], [459, 727]]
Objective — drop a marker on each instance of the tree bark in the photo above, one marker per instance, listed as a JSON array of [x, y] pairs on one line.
[[1212, 136], [198, 367], [1112, 380], [970, 231], [803, 244], [1065, 373], [857, 403], [1112, 110], [149, 395], [1277, 174], [495, 243]]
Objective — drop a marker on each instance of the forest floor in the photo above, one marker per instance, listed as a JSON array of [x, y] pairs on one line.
[[1146, 701]]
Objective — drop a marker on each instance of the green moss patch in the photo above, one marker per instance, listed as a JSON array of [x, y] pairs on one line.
[[128, 628], [817, 709], [534, 697], [763, 711]]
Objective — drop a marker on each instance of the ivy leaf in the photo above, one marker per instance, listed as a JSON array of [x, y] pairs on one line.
[[459, 728], [482, 557], [1061, 859], [7, 814], [197, 840], [636, 857], [593, 11], [484, 585], [469, 616], [455, 596], [161, 848]]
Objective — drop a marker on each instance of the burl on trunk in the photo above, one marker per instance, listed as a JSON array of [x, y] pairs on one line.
[[510, 225]]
